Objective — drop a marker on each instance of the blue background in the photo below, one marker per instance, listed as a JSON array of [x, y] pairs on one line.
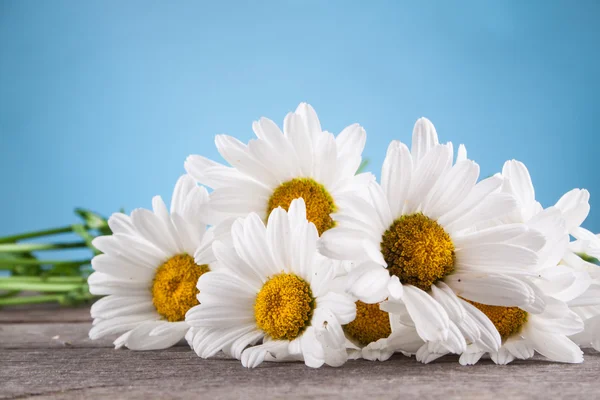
[[101, 101]]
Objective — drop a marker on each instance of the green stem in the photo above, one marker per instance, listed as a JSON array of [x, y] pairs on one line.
[[85, 235], [10, 262], [9, 284], [52, 279], [25, 247], [34, 234], [13, 301], [9, 294]]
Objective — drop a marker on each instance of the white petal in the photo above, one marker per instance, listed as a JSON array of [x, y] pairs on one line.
[[380, 203], [278, 237], [395, 288], [343, 244], [140, 339], [461, 154], [489, 337], [103, 284], [429, 170], [520, 180], [238, 201], [154, 230], [312, 350], [244, 250], [448, 300], [325, 159], [116, 306], [295, 131], [121, 223], [121, 270], [368, 282], [425, 356], [228, 258], [575, 207], [116, 325], [236, 153], [199, 166], [350, 144], [556, 347], [496, 255], [431, 321], [405, 339], [519, 348], [424, 138], [183, 187], [377, 351], [497, 290], [340, 305], [252, 357], [502, 357], [256, 245], [310, 119], [470, 358], [475, 197], [330, 335], [493, 207], [451, 189], [396, 175]]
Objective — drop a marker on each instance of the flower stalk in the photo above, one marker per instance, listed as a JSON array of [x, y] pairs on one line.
[[29, 278]]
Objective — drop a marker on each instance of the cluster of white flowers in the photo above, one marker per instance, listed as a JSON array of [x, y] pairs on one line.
[[294, 255]]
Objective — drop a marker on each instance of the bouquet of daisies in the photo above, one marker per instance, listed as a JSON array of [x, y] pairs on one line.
[[294, 256]]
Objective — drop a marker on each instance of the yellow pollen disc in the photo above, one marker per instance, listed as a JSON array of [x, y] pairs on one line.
[[508, 320], [319, 203], [418, 251], [174, 287], [284, 307], [370, 324]]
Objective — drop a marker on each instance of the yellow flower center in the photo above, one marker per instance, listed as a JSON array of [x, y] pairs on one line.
[[508, 320], [319, 203], [370, 324], [418, 251], [174, 287], [284, 307]]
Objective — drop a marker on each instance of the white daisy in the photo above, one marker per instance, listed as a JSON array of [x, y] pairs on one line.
[[277, 167], [525, 333], [272, 287], [423, 254], [580, 279], [148, 270], [586, 305], [547, 332]]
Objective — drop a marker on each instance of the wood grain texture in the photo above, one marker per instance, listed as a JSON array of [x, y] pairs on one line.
[[48, 313], [33, 364]]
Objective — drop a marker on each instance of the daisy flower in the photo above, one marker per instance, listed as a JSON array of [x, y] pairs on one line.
[[272, 287], [586, 305], [574, 280], [421, 256], [276, 168], [575, 207], [546, 332], [148, 270]]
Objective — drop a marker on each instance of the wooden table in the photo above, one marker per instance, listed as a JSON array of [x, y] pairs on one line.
[[46, 354]]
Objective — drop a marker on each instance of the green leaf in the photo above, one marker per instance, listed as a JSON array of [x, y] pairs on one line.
[[363, 166], [92, 219], [589, 258]]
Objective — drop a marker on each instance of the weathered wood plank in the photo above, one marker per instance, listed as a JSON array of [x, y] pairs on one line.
[[72, 373], [36, 361], [49, 313], [59, 335]]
